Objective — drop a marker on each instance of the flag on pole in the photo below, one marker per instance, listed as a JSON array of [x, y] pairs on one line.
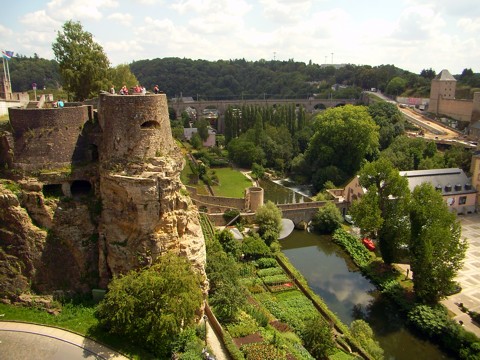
[[7, 54]]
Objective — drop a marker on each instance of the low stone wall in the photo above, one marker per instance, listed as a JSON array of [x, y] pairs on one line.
[[218, 220], [219, 202]]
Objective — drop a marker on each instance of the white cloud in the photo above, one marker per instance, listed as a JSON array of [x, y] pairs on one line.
[[285, 11], [208, 7], [79, 9], [469, 24], [39, 20], [122, 18], [419, 23], [147, 2]]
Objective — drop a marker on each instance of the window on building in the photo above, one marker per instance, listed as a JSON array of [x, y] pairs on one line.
[[462, 200]]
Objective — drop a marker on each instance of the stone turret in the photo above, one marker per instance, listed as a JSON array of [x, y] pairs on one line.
[[145, 208], [135, 127]]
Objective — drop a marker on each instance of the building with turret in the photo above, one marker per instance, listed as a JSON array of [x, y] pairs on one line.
[[443, 102]]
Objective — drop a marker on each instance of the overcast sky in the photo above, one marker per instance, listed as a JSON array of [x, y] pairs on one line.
[[410, 34]]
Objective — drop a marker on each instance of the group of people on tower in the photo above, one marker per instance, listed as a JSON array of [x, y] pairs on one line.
[[138, 89]]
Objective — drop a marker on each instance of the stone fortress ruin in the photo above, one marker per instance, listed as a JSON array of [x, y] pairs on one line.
[[95, 191]]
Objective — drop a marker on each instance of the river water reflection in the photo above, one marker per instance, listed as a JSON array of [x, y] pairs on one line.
[[350, 295], [332, 275]]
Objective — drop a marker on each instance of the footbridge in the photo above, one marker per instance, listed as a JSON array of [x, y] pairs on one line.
[[215, 206]]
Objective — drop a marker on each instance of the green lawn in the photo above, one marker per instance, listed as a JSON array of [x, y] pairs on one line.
[[78, 318], [232, 183]]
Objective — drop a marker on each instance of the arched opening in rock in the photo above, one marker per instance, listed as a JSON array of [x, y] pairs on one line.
[[80, 188], [52, 190], [150, 125]]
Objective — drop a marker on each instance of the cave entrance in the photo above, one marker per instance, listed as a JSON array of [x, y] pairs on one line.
[[52, 190], [80, 188]]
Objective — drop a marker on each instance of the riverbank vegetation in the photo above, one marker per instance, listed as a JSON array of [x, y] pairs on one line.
[[281, 317], [432, 321]]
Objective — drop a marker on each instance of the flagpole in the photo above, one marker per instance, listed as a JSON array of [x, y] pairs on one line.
[[4, 78], [9, 81]]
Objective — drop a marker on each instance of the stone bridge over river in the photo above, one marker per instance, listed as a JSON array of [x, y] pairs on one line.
[[215, 206]]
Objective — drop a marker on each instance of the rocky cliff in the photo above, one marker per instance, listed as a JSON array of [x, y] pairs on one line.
[[77, 227], [146, 212]]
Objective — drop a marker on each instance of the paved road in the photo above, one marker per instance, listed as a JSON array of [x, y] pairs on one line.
[[23, 341], [469, 275]]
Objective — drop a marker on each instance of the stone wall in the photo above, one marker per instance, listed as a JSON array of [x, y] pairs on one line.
[[457, 109], [220, 202], [49, 138]]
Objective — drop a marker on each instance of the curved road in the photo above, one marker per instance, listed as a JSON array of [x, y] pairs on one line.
[[22, 341]]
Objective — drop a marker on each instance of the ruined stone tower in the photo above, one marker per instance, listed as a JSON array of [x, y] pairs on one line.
[[146, 209]]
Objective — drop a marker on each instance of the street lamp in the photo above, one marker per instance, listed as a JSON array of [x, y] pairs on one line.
[[205, 319]]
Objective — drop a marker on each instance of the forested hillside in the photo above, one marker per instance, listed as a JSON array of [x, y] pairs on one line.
[[228, 79], [24, 71]]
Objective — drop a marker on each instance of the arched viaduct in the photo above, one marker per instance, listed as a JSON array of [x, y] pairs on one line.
[[310, 105]]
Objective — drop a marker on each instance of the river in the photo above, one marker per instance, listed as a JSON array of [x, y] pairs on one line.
[[332, 275]]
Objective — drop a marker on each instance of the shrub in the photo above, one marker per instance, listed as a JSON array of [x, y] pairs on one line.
[[262, 352], [276, 279], [359, 253], [253, 247], [270, 271], [264, 263], [152, 306], [260, 316], [243, 326], [327, 219], [230, 214], [429, 320], [317, 337]]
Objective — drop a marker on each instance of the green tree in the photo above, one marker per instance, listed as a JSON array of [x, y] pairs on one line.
[[253, 247], [344, 137], [389, 201], [436, 249], [229, 244], [269, 219], [366, 213], [121, 75], [196, 141], [390, 120], [83, 63], [152, 306], [396, 86], [458, 156], [318, 338], [407, 153], [202, 128], [327, 219], [363, 333], [244, 152], [223, 274]]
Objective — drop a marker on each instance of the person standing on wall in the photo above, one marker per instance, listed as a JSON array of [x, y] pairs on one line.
[[156, 90]]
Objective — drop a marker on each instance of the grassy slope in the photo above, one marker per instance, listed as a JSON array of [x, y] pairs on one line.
[[232, 183]]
